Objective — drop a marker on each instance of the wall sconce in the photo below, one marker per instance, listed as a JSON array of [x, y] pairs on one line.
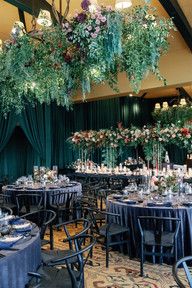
[[165, 105], [157, 106], [183, 102]]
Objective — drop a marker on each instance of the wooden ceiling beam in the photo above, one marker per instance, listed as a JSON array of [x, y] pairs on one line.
[[174, 10], [22, 17]]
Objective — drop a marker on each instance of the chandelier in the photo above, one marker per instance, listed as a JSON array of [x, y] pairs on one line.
[[181, 101]]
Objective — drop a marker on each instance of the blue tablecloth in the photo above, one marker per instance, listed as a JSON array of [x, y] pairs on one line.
[[129, 214], [15, 266], [12, 191]]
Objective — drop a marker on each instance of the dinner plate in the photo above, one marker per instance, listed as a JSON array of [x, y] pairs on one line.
[[128, 201], [22, 227], [117, 196], [7, 217], [11, 238], [70, 184]]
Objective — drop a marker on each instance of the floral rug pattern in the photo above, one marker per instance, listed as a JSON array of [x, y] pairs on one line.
[[122, 272]]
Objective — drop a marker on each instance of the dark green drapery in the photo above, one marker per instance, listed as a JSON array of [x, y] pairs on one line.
[[6, 129], [44, 129], [36, 124]]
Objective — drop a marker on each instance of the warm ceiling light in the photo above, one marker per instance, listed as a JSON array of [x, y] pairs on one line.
[[183, 102], [130, 95], [157, 106], [120, 4], [18, 29], [44, 18], [93, 6], [165, 105]]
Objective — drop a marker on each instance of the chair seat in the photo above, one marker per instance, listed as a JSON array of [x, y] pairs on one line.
[[113, 230], [52, 277], [47, 256], [166, 239]]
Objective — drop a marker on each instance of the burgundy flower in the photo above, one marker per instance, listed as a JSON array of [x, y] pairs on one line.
[[85, 4], [81, 17], [67, 57]]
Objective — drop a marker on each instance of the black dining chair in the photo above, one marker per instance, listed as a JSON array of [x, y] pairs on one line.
[[29, 202], [63, 203], [70, 273], [8, 200], [44, 220], [182, 272], [158, 238], [109, 234], [68, 234], [6, 210]]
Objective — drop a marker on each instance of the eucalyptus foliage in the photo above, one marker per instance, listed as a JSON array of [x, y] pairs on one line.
[[53, 64]]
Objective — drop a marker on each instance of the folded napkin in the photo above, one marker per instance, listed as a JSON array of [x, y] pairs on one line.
[[5, 246], [8, 244], [16, 221]]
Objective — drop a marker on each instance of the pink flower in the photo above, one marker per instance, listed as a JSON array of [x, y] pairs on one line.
[[97, 29], [89, 28], [103, 19], [93, 16], [94, 35]]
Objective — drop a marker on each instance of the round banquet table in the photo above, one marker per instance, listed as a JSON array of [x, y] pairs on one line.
[[128, 217], [13, 190], [14, 267]]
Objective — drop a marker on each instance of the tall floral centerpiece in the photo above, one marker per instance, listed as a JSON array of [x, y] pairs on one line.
[[153, 139]]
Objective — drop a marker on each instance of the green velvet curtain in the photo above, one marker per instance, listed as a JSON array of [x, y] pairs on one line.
[[44, 129], [18, 157], [6, 129], [36, 124]]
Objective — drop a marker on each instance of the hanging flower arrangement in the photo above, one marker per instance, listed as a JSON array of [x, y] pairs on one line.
[[120, 137], [92, 47]]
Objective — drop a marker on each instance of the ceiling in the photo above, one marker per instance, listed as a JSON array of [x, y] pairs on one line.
[[9, 14]]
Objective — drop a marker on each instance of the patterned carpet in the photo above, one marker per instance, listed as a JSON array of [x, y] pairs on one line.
[[122, 272]]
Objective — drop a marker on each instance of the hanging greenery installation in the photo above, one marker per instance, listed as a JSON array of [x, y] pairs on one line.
[[56, 62]]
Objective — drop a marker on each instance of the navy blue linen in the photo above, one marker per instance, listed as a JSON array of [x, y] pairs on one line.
[[15, 266], [130, 213]]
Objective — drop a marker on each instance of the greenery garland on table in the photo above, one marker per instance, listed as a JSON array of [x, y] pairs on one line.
[[92, 47], [153, 139]]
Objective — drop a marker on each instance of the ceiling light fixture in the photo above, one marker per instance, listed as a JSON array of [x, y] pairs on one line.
[[120, 4], [183, 102], [157, 106], [93, 6], [44, 18]]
